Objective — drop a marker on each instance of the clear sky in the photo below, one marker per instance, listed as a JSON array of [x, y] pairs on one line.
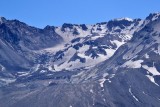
[[40, 13]]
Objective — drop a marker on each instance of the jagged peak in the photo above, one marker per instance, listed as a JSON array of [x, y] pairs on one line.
[[155, 13], [101, 23], [153, 16], [2, 20], [49, 27]]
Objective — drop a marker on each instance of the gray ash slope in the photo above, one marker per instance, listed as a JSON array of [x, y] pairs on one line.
[[126, 75]]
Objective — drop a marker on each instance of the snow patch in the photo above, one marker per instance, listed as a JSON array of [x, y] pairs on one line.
[[51, 68], [152, 70], [103, 79], [151, 78], [23, 74], [130, 91], [146, 56], [96, 37], [118, 43], [43, 71], [125, 18], [2, 68], [7, 80], [133, 64], [36, 67], [158, 50], [91, 91], [111, 76], [109, 52]]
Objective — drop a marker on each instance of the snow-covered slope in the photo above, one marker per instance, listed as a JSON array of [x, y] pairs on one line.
[[67, 48], [87, 45], [141, 52]]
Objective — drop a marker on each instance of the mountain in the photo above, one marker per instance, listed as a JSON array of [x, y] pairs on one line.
[[28, 50], [108, 64]]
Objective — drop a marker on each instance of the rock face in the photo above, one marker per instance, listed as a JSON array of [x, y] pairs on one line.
[[109, 64]]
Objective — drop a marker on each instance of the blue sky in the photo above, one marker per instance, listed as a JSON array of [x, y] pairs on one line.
[[40, 13]]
